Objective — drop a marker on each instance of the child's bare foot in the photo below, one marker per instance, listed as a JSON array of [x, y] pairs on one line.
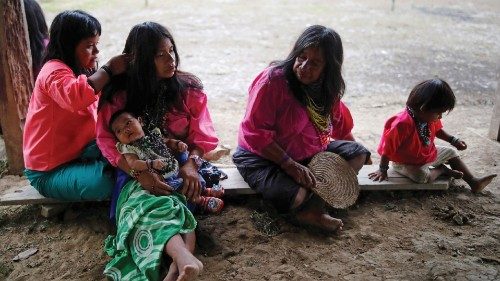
[[172, 273], [478, 184], [452, 173], [319, 219], [189, 273], [188, 266]]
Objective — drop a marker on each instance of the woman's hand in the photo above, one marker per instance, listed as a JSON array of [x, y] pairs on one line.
[[299, 173], [191, 187], [153, 183], [118, 64], [378, 175]]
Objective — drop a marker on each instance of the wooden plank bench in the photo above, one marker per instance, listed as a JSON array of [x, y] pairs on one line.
[[235, 185]]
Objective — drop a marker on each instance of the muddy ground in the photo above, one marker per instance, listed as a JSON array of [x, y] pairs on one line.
[[389, 46]]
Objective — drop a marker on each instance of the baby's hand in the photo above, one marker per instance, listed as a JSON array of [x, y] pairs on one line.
[[460, 145], [158, 164], [181, 146], [378, 175]]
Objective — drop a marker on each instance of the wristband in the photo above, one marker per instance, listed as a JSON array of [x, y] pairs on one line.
[[383, 168], [107, 70], [284, 159], [453, 140], [197, 159]]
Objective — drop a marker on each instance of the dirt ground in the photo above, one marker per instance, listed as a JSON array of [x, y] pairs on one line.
[[389, 46]]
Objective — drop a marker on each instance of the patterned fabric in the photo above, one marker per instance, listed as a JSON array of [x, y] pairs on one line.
[[145, 223], [422, 128], [152, 147]]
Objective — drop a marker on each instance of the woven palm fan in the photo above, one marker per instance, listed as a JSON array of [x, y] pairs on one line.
[[336, 181]]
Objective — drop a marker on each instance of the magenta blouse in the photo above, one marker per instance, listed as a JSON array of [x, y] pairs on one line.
[[273, 114], [192, 126]]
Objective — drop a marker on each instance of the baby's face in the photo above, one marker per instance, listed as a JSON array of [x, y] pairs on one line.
[[127, 128]]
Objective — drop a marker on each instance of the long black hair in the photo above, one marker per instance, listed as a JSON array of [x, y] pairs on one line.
[[434, 95], [330, 44], [38, 33], [140, 81], [67, 30]]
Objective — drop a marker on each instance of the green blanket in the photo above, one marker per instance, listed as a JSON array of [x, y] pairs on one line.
[[145, 224]]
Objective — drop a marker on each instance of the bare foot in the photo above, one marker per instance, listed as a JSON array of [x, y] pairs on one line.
[[452, 173], [217, 153], [188, 273], [319, 219], [480, 183], [188, 266], [172, 273]]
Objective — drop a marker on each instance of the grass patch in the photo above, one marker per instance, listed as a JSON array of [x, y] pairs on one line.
[[264, 223]]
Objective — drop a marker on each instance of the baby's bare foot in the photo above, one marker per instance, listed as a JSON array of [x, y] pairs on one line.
[[480, 183], [189, 272]]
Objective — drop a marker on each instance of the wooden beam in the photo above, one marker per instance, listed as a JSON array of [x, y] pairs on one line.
[[494, 132], [15, 79]]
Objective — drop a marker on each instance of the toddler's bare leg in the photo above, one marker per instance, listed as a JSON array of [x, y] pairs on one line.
[[476, 184], [442, 169]]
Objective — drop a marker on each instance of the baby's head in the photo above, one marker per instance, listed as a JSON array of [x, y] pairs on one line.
[[430, 99], [126, 127]]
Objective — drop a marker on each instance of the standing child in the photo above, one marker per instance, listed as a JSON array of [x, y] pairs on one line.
[[152, 152], [408, 139]]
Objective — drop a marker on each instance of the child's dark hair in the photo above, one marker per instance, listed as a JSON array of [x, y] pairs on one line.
[[432, 95], [38, 33], [116, 115], [67, 30], [330, 44]]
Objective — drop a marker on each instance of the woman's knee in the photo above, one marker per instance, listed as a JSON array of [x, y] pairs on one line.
[[98, 188], [357, 162]]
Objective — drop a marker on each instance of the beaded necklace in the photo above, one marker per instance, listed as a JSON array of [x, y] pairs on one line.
[[423, 130], [322, 124]]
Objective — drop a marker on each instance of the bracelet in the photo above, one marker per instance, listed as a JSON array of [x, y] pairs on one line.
[[107, 70], [149, 164], [197, 159], [134, 173], [283, 159], [453, 140], [383, 168]]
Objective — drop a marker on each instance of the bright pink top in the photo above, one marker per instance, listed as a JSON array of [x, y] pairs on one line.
[[194, 128], [274, 114], [61, 117], [401, 144]]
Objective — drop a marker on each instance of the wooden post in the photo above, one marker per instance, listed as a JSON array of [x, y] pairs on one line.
[[15, 79], [495, 118]]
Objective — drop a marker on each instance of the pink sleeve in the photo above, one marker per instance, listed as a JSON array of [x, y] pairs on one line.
[[257, 129], [69, 92], [201, 132], [342, 121], [104, 137]]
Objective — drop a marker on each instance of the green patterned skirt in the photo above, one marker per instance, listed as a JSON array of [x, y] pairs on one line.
[[145, 223]]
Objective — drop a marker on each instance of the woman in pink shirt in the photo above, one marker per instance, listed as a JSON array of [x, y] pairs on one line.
[[61, 158], [172, 100], [294, 111]]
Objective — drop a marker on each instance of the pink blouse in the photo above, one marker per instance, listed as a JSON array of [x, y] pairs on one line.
[[401, 144], [193, 126], [273, 114], [61, 117]]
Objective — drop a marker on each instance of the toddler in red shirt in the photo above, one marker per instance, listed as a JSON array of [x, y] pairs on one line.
[[408, 139]]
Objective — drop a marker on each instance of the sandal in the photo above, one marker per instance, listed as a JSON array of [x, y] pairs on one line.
[[215, 191], [211, 204]]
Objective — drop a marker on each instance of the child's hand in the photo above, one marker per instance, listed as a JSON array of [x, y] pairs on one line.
[[181, 146], [460, 145], [158, 164], [378, 175]]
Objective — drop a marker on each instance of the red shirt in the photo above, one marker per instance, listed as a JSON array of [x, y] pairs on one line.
[[274, 114], [401, 144], [61, 117]]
